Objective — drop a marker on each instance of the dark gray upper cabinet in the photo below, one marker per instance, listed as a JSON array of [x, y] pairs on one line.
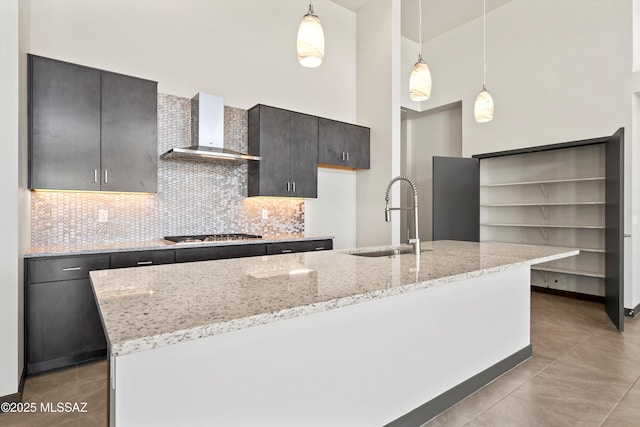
[[343, 144], [129, 134], [64, 131], [288, 144], [90, 129]]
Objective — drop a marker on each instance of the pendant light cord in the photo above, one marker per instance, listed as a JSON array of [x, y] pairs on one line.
[[420, 27], [484, 42]]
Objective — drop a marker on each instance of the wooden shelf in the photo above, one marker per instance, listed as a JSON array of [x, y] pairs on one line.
[[551, 181], [568, 271], [590, 227], [543, 204]]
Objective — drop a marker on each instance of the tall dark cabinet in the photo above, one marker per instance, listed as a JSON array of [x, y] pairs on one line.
[[90, 130], [569, 194], [288, 144]]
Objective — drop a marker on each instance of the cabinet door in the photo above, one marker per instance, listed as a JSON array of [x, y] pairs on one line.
[[63, 325], [356, 146], [275, 149], [331, 137], [129, 134], [304, 155], [64, 125], [456, 199], [614, 229]]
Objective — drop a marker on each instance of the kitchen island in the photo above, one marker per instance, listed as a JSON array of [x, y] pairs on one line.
[[319, 338]]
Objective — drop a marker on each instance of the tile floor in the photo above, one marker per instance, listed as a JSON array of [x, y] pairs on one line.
[[583, 373]]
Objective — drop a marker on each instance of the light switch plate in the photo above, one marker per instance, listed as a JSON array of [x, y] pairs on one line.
[[265, 214]]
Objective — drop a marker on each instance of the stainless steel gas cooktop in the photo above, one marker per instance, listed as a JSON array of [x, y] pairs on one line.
[[198, 238]]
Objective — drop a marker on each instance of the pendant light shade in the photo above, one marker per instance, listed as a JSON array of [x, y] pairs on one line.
[[310, 40], [483, 108], [420, 79]]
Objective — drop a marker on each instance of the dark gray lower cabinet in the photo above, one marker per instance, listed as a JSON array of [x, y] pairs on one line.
[[142, 258], [63, 326], [62, 321], [207, 253], [299, 246]]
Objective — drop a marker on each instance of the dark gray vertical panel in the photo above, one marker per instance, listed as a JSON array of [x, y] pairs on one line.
[[456, 199], [64, 117], [330, 142], [275, 146], [304, 155], [129, 134], [614, 229]]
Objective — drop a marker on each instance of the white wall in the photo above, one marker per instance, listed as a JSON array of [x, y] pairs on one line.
[[378, 106], [558, 71], [634, 298], [431, 133], [242, 50], [333, 212], [10, 289]]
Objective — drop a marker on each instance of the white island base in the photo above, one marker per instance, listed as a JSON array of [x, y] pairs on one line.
[[398, 360]]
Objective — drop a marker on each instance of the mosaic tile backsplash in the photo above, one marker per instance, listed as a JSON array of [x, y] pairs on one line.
[[194, 197]]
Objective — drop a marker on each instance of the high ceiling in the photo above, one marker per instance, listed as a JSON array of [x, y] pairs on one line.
[[438, 16]]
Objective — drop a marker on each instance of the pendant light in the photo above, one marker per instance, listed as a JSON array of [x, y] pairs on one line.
[[310, 40], [483, 109], [420, 79]]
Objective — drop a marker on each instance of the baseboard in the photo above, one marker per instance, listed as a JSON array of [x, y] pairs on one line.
[[15, 397], [63, 362], [568, 294], [632, 312], [432, 408]]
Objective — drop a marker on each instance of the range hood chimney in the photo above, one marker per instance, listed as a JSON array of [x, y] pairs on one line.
[[207, 133]]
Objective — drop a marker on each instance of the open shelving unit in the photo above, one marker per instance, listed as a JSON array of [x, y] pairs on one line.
[[569, 194], [554, 197]]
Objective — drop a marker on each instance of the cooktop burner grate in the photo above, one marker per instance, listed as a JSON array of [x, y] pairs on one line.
[[211, 237]]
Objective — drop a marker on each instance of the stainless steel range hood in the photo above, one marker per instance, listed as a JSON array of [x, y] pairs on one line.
[[207, 133]]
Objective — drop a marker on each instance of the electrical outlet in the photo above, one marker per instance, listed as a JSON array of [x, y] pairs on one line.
[[103, 215], [338, 214], [265, 214]]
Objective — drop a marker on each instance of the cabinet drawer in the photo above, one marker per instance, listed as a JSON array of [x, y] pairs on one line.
[[65, 268], [303, 246], [142, 258], [219, 252]]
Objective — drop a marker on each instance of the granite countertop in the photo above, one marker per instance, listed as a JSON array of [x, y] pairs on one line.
[[148, 307], [159, 244]]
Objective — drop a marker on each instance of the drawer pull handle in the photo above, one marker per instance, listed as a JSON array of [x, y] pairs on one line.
[[320, 248], [286, 251], [72, 269], [145, 262]]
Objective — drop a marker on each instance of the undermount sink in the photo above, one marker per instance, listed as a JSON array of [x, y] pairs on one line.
[[387, 252]]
